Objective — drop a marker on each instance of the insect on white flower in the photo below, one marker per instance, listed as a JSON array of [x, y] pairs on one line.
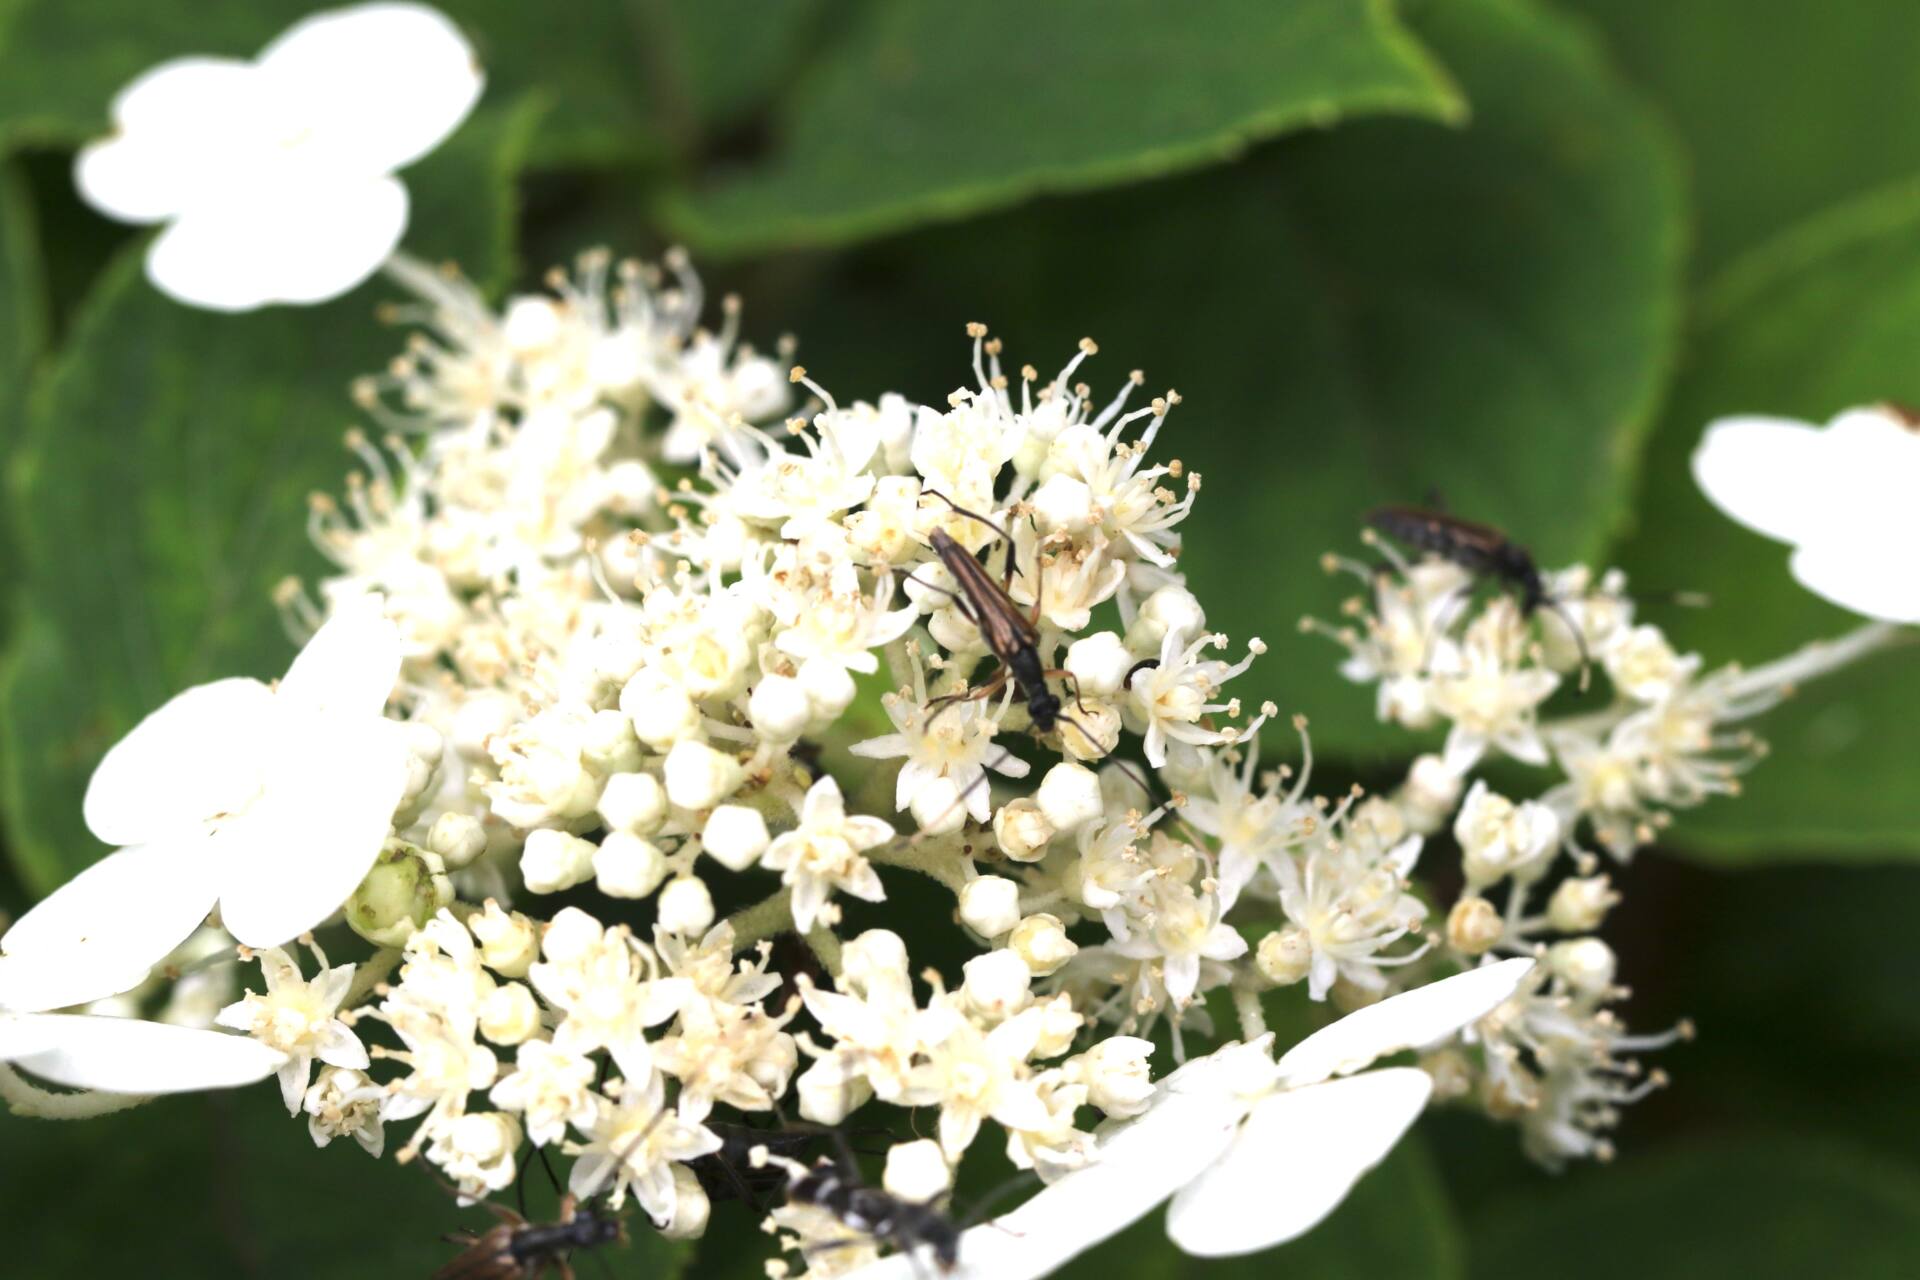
[[271, 800], [1841, 495], [1252, 1152], [275, 176]]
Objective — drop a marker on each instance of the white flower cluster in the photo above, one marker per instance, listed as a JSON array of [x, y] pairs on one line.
[[545, 669]]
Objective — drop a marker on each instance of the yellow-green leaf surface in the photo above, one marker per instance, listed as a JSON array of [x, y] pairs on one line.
[[931, 111], [1352, 318], [161, 494], [1825, 318]]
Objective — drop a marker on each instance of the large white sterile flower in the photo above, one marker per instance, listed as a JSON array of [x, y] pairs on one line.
[[1252, 1152], [1841, 495], [275, 176], [271, 800], [127, 1055]]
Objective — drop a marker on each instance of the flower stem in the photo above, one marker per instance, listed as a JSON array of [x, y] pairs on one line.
[[372, 971], [1253, 1019], [940, 858], [772, 914], [26, 1099]]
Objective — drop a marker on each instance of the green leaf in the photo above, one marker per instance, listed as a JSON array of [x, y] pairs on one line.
[[1352, 319], [1396, 1223], [1737, 1210], [1784, 111], [230, 1185], [162, 493], [22, 296], [925, 112], [1822, 319]]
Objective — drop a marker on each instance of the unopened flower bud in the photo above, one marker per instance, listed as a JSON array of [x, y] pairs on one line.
[[1284, 956], [698, 777], [1059, 1024], [780, 708], [936, 807], [996, 984], [531, 324], [479, 1147], [1431, 793], [553, 860], [1116, 1074], [686, 907], [1069, 796], [509, 1014], [1170, 608], [1580, 903], [458, 838], [633, 802], [660, 710], [1499, 838], [990, 905], [608, 744], [626, 866], [827, 1094], [917, 1171], [1474, 925], [1042, 941], [509, 941], [482, 715], [691, 1207], [1022, 830], [735, 836], [405, 886], [569, 936], [1063, 502], [1585, 964], [878, 955], [1099, 663], [829, 687]]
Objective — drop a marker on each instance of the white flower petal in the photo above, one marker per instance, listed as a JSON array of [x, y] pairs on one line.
[[126, 1055], [300, 241], [1757, 470], [350, 665], [169, 147], [294, 857], [1297, 1156], [1879, 583], [381, 84], [99, 933], [191, 760], [1406, 1021]]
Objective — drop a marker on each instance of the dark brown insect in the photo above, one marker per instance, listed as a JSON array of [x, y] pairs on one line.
[[516, 1249], [1483, 551], [1011, 635]]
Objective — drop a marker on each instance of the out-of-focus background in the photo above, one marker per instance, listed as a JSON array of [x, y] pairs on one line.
[[1515, 252]]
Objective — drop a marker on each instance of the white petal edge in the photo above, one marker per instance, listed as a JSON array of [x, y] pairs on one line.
[[1874, 579], [1406, 1021], [293, 241], [126, 1055], [98, 934], [177, 134], [1298, 1155], [380, 84], [296, 855], [196, 757], [1761, 472], [350, 665]]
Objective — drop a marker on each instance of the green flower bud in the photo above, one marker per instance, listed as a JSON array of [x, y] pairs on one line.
[[406, 886]]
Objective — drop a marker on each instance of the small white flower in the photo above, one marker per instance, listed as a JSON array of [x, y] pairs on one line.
[[477, 1152], [551, 1088], [273, 801], [917, 1171], [822, 854], [344, 1103], [300, 1018], [1499, 838], [1485, 686], [1841, 495], [953, 740], [632, 1144], [275, 176]]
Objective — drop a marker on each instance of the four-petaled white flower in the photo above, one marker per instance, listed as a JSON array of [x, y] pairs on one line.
[[1841, 495], [633, 1143], [823, 853], [271, 800], [300, 1018], [1252, 1152], [275, 176]]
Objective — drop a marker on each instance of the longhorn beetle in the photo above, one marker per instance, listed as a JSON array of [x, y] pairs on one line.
[[516, 1249], [1482, 551]]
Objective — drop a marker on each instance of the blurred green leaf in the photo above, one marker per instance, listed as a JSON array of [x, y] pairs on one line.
[[1821, 319], [229, 1185], [162, 493], [22, 295], [926, 112], [1785, 108], [1397, 1224], [1737, 1209], [1351, 318]]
